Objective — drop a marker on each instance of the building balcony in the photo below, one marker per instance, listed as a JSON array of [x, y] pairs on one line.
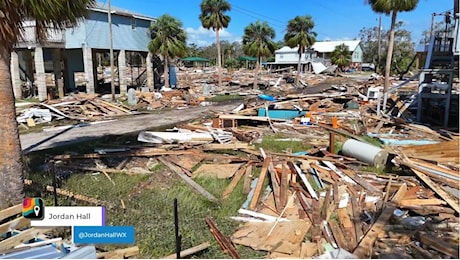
[[55, 38]]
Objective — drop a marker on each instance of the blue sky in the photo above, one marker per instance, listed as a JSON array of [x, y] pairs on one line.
[[334, 19]]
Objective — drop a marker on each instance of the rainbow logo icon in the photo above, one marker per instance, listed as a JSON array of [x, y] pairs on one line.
[[32, 208]]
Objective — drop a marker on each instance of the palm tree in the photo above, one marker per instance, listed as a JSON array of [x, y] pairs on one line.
[[258, 41], [341, 56], [391, 7], [299, 34], [168, 40], [213, 17], [51, 13]]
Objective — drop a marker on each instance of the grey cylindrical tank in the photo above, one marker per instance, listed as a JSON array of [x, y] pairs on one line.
[[365, 152]]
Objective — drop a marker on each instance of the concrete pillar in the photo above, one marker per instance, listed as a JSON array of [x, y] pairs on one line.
[[29, 67], [89, 69], [57, 69], [40, 74], [150, 79], [122, 72], [15, 76]]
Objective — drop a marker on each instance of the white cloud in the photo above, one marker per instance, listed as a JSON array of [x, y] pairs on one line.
[[203, 37]]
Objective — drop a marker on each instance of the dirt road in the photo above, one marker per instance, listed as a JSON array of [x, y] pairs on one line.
[[128, 125]]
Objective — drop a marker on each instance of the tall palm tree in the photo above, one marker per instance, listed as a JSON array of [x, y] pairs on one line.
[[258, 41], [299, 34], [391, 7], [341, 56], [213, 17], [168, 40], [51, 13]]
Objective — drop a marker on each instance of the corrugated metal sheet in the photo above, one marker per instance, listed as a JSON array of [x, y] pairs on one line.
[[42, 252], [86, 252]]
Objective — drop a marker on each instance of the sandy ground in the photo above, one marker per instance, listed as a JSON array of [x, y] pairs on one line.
[[129, 125]]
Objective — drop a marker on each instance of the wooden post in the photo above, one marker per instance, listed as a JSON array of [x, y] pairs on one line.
[[331, 142]]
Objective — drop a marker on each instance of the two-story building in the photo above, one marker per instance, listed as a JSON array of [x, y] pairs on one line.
[[318, 52], [81, 51]]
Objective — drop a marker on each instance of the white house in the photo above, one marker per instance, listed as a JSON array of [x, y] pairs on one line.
[[319, 52]]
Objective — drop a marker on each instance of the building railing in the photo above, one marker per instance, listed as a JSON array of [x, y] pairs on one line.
[[29, 34]]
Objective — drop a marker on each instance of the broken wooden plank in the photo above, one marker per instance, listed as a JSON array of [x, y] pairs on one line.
[[441, 193], [348, 228], [429, 210], [438, 244], [189, 251], [275, 186], [260, 182], [223, 241], [421, 202], [230, 146], [119, 253], [284, 185], [362, 182], [364, 247], [140, 153], [11, 211], [247, 179], [236, 178], [338, 235], [188, 180]]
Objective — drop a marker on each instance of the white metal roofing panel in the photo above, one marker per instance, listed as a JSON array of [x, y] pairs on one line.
[[329, 46]]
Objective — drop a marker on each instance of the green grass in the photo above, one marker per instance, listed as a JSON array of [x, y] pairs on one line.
[[223, 98], [32, 100], [271, 143], [372, 140]]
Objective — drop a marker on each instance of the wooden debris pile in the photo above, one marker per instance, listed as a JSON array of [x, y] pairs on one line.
[[75, 107]]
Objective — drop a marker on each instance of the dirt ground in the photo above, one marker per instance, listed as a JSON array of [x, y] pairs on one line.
[[128, 125]]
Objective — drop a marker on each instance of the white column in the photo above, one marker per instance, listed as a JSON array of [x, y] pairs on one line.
[[150, 75], [89, 71], [122, 72], [15, 76], [40, 72]]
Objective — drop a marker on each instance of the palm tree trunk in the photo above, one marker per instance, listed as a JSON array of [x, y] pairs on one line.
[[390, 51], [219, 62], [256, 74], [166, 72], [11, 163], [297, 78]]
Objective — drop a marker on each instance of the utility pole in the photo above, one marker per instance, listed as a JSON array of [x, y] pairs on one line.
[[432, 24], [112, 70], [379, 36]]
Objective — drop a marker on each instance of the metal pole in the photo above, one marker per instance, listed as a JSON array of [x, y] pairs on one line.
[[432, 24], [176, 227], [112, 72], [378, 44], [53, 169]]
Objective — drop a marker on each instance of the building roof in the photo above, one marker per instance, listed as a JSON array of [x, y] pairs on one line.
[[197, 59], [329, 46], [287, 49], [247, 58], [104, 8]]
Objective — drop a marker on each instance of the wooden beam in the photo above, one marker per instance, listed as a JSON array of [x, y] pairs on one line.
[[421, 202], [247, 179], [11, 211], [435, 187], [260, 183], [223, 241], [236, 178], [364, 247], [119, 253], [275, 186], [284, 185], [361, 181], [188, 180], [143, 152], [438, 244], [189, 251]]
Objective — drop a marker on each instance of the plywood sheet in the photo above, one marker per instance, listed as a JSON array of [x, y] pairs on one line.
[[221, 171], [285, 238]]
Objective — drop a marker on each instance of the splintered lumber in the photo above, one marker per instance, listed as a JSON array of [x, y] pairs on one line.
[[421, 202], [275, 186], [188, 180], [11, 211], [223, 241], [362, 182], [338, 235], [284, 185], [236, 178], [22, 237], [143, 152], [119, 253], [365, 246], [438, 244], [247, 179], [189, 251], [435, 187], [230, 146], [429, 210], [347, 227], [260, 183]]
